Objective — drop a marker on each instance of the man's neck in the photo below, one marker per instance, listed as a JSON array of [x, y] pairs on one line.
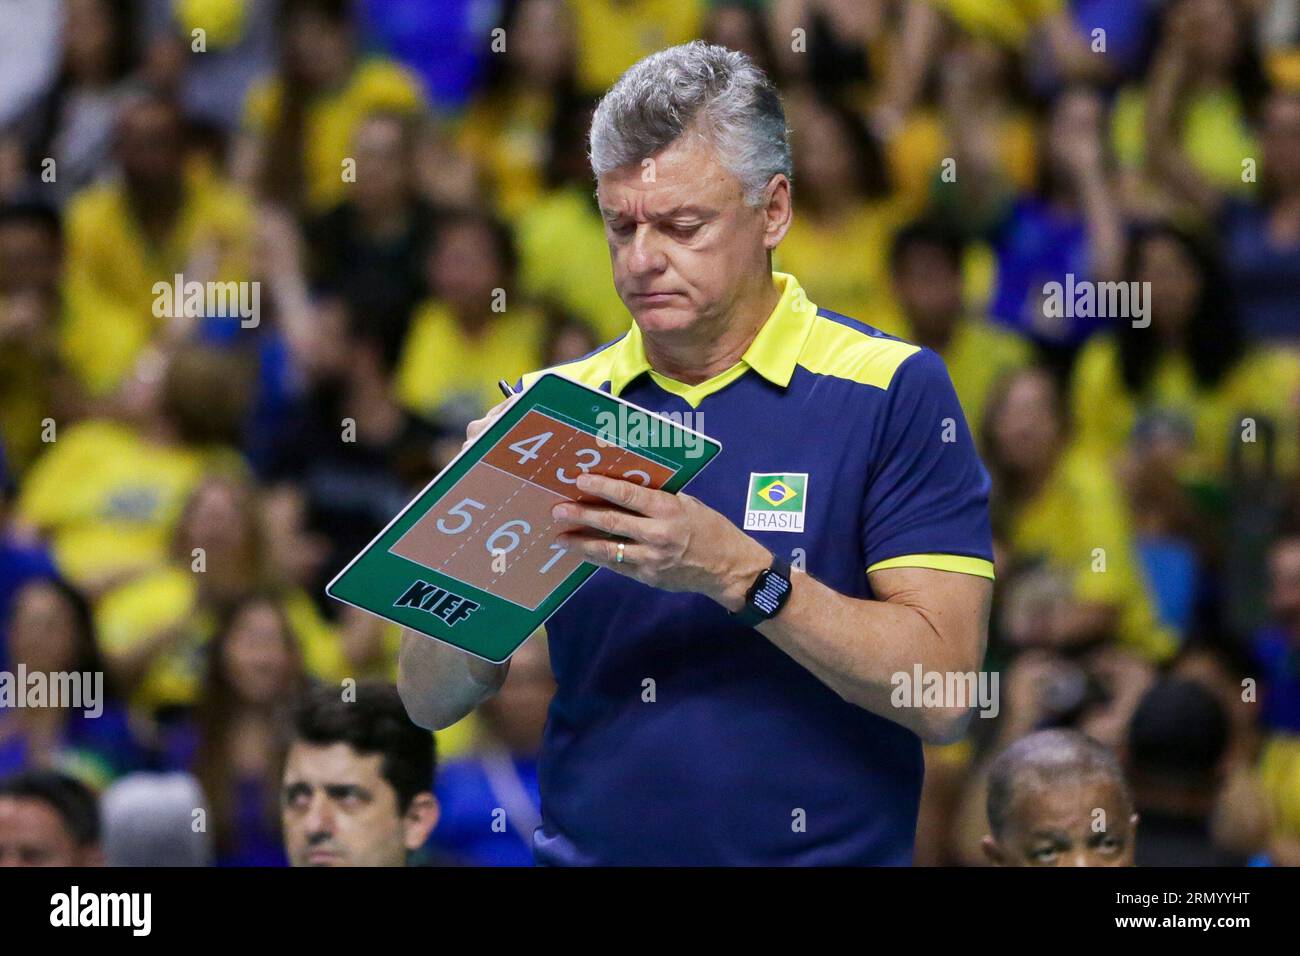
[[714, 345]]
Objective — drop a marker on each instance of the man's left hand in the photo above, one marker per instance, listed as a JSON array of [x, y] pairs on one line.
[[670, 541]]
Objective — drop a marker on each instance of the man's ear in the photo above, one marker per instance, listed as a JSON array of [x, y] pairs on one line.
[[778, 210], [993, 851], [420, 819]]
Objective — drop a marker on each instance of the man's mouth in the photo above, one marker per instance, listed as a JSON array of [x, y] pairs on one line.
[[654, 298], [324, 857]]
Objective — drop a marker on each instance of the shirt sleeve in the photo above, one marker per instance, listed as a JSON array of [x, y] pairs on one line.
[[926, 502]]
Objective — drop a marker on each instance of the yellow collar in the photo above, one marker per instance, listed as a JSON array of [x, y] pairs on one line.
[[773, 354]]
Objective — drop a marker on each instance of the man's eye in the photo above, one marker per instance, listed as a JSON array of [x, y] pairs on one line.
[[1043, 855], [685, 232], [621, 228]]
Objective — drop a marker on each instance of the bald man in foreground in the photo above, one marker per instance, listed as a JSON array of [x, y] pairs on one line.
[[1058, 798]]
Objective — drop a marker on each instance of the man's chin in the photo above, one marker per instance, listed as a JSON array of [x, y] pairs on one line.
[[665, 318]]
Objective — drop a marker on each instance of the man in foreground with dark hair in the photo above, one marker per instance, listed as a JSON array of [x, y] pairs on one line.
[[1058, 798], [48, 819], [358, 780]]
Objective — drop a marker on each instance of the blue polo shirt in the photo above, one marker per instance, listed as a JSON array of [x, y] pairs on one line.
[[678, 737]]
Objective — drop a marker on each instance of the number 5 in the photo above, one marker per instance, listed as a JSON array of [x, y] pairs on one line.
[[460, 512]]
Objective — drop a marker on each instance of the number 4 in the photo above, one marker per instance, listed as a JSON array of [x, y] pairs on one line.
[[526, 448]]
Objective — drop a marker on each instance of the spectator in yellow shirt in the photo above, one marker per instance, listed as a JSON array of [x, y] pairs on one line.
[[300, 125], [165, 217], [614, 34], [838, 245], [1064, 528], [154, 629], [1216, 101], [107, 491], [529, 86], [563, 249], [473, 331], [1008, 23], [925, 263], [1191, 371]]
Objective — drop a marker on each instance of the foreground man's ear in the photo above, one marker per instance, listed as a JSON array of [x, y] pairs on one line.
[[419, 820]]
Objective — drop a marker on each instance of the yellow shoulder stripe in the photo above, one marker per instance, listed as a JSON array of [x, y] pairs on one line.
[[939, 562], [837, 350]]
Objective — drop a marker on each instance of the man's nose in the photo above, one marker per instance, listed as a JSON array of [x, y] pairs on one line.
[[320, 817], [643, 254]]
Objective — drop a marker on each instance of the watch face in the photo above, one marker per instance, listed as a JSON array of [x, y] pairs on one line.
[[770, 593]]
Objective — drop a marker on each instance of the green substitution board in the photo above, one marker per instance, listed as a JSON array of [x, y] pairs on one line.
[[472, 560]]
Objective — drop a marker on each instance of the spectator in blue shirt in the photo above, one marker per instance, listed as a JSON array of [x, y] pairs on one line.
[[490, 800]]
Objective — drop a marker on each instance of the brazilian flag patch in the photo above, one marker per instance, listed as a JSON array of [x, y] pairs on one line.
[[776, 502]]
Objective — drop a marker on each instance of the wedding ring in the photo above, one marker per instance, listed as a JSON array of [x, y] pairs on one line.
[[618, 559]]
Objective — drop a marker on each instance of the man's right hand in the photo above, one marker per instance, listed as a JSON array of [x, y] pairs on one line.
[[478, 425]]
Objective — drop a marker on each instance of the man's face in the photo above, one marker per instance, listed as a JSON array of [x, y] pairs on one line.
[[1026, 429], [681, 238], [338, 810], [928, 287], [149, 145], [33, 834], [1058, 826], [465, 265], [382, 174]]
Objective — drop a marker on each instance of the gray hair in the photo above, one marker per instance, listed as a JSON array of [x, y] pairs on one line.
[[148, 821], [702, 87], [1049, 758]]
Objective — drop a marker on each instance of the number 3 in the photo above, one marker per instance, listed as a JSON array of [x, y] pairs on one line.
[[583, 467]]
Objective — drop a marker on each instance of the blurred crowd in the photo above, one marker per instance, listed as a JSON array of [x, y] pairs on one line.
[[405, 186]]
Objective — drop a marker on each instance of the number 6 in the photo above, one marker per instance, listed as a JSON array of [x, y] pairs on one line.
[[502, 532]]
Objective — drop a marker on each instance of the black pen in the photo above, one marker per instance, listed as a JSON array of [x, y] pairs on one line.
[[506, 390]]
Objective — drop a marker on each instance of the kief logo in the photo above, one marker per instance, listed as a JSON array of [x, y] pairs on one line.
[[776, 502], [441, 603]]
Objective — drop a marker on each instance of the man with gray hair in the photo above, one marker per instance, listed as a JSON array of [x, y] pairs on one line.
[[724, 682], [1058, 798]]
